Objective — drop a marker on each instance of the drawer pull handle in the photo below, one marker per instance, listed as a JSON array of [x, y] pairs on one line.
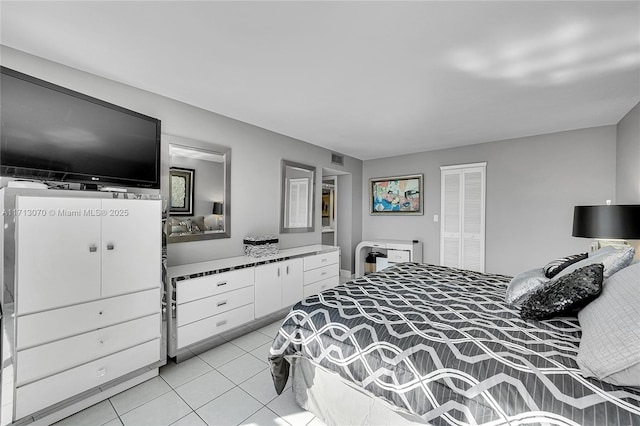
[[222, 303], [221, 323], [324, 259], [221, 283], [101, 341], [110, 246], [93, 248], [100, 313], [322, 287], [324, 273], [102, 372]]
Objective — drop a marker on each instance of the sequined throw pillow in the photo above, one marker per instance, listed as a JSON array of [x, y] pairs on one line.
[[565, 295]]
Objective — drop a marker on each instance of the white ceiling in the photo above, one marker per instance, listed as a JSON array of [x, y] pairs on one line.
[[367, 79]]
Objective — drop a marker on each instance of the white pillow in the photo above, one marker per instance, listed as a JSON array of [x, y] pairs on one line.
[[610, 344]]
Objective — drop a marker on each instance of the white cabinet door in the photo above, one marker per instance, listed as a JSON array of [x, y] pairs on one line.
[[58, 252], [292, 282], [268, 289], [131, 246]]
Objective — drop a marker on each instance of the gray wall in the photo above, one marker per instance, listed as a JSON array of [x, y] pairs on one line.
[[255, 160], [533, 183], [628, 158]]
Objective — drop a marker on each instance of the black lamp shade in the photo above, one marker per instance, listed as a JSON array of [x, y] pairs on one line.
[[609, 222], [217, 208]]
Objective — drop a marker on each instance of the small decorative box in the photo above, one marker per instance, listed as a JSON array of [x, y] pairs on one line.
[[260, 246]]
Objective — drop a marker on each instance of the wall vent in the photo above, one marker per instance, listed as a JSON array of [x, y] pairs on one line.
[[337, 159]]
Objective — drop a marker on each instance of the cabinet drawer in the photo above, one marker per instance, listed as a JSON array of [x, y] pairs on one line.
[[320, 274], [210, 285], [318, 260], [44, 393], [203, 329], [398, 256], [317, 287], [209, 306], [45, 360], [55, 324]]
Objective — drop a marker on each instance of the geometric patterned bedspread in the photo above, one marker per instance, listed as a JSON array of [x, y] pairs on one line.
[[442, 344]]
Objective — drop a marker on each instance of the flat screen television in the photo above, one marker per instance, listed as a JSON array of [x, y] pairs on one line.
[[52, 133]]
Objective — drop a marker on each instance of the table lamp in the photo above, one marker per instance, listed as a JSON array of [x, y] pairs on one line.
[[608, 224], [218, 211]]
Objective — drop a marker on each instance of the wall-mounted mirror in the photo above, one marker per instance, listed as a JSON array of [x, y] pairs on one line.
[[298, 193], [198, 191]]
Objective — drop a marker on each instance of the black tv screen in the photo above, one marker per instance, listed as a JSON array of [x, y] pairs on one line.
[[49, 132]]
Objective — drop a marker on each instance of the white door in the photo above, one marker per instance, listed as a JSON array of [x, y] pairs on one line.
[[450, 225], [473, 219], [58, 252], [131, 246], [268, 288], [462, 232], [292, 282]]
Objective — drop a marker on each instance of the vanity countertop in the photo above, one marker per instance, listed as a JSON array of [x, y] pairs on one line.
[[234, 262]]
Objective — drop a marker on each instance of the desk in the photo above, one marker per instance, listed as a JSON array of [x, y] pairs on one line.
[[414, 249]]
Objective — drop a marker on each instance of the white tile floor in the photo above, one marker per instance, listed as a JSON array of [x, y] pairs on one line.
[[228, 385]]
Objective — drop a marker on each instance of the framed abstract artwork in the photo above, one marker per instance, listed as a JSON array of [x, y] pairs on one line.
[[397, 195], [181, 191]]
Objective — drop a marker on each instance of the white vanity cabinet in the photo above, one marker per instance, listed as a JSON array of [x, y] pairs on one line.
[[210, 298], [278, 285], [212, 304], [85, 318], [321, 272]]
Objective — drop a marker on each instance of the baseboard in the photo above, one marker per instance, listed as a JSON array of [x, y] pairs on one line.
[[88, 401], [344, 273]]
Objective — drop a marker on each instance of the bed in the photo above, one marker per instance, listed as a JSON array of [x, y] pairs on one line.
[[427, 344]]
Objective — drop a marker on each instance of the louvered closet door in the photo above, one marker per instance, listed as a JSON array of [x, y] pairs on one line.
[[463, 216], [450, 240], [473, 219]]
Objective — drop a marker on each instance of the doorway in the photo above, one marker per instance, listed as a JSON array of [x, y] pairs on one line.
[[329, 211]]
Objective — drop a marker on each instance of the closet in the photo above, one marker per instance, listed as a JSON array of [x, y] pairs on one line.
[[462, 226]]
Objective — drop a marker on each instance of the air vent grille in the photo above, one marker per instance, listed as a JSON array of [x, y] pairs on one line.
[[337, 159]]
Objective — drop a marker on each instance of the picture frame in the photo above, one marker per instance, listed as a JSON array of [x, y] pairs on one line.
[[396, 195], [181, 191]]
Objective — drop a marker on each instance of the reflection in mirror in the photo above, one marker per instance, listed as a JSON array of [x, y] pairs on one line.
[[198, 193], [298, 193]]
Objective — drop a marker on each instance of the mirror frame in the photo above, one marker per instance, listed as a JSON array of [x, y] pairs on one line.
[[283, 191], [198, 146]]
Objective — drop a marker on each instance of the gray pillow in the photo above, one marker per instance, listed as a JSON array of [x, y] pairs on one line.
[[610, 344], [522, 285], [613, 259]]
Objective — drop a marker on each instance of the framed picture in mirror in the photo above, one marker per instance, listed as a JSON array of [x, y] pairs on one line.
[[181, 190]]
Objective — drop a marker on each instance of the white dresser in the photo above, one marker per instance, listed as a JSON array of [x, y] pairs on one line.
[[210, 298], [82, 298]]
